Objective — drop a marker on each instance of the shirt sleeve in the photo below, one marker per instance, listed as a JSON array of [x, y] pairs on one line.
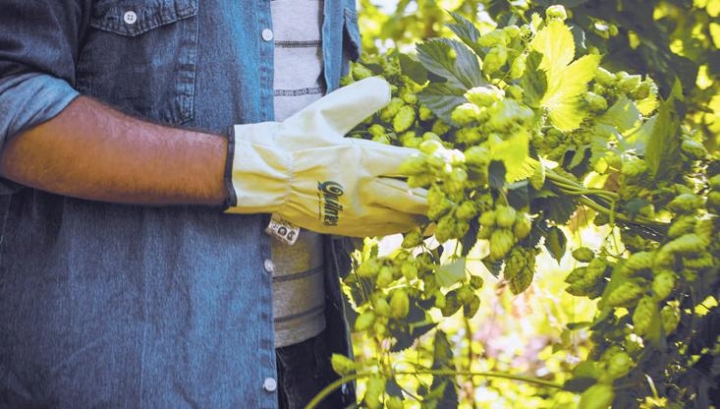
[[38, 50], [29, 99]]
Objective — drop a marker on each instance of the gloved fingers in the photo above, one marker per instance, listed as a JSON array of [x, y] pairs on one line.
[[396, 196], [382, 160], [336, 114], [378, 222], [402, 225], [376, 228]]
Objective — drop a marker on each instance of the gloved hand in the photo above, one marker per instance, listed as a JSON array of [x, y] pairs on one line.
[[304, 169]]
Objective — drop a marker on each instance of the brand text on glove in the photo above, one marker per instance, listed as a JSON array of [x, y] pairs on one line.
[[329, 194]]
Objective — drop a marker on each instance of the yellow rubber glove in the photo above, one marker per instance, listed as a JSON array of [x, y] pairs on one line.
[[304, 169]]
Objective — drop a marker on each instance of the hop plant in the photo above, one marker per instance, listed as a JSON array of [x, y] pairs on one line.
[[644, 313], [484, 95], [558, 147], [404, 119], [624, 295]]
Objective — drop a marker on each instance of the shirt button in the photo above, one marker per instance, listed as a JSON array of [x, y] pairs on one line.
[[270, 384], [269, 266], [267, 34], [130, 17]]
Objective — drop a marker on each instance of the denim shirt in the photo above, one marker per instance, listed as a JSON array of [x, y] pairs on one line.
[[118, 306]]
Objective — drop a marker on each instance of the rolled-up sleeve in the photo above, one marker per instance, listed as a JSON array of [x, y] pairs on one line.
[[29, 99], [39, 45]]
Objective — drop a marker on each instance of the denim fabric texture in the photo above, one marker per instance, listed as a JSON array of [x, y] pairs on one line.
[[118, 306]]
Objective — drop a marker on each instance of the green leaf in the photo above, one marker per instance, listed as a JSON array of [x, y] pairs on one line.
[[556, 243], [462, 72], [452, 305], [471, 308], [578, 156], [392, 388], [537, 177], [441, 99], [634, 206], [442, 353], [566, 80], [470, 238], [663, 150], [599, 144], [494, 267], [556, 43], [623, 115], [579, 36], [452, 272], [518, 194], [557, 209], [534, 82], [445, 395], [413, 69], [513, 152], [624, 121], [418, 324], [466, 31], [637, 141], [497, 173], [565, 89], [406, 338]]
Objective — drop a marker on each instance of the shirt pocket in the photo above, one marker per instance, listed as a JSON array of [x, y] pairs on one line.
[[140, 56]]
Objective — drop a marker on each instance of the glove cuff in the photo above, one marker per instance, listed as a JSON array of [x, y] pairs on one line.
[[258, 177], [231, 200]]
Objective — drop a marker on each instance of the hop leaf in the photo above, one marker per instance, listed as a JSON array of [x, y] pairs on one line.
[[513, 152], [567, 80]]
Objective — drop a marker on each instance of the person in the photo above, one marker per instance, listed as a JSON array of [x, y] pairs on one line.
[[143, 146]]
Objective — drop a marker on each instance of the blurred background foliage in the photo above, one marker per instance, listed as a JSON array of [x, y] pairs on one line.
[[528, 333]]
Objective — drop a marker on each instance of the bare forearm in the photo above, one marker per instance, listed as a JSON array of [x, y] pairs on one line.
[[93, 152]]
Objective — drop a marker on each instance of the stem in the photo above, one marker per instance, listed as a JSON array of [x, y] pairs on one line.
[[451, 372], [471, 355], [618, 216], [330, 388], [573, 188], [435, 372]]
